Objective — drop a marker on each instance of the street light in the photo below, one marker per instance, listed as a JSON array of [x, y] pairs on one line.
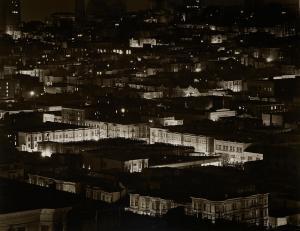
[[32, 93]]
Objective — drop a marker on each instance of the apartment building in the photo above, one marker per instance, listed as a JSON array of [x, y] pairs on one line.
[[201, 143], [28, 139], [234, 152], [149, 205], [251, 209]]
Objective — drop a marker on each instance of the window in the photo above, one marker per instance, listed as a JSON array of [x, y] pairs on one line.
[[238, 149]]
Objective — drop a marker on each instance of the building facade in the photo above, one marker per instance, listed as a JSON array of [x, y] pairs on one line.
[[28, 141], [38, 219], [234, 152], [108, 196], [200, 143], [251, 209], [151, 206], [48, 182]]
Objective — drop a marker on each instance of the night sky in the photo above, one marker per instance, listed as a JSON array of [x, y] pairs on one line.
[[39, 9]]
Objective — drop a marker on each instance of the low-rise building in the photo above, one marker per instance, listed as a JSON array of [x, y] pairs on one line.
[[107, 193], [234, 152], [221, 113], [28, 139], [32, 211], [233, 85], [200, 143], [123, 162], [53, 182], [251, 209], [150, 205], [215, 194]]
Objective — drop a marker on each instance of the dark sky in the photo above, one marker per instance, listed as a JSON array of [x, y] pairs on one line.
[[39, 9]]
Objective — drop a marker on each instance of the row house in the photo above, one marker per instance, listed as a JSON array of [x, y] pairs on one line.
[[151, 206], [251, 209], [234, 152], [48, 182], [108, 194], [200, 143], [105, 193], [28, 141], [116, 130], [102, 194]]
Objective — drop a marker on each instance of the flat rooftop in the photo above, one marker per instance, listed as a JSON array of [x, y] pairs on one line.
[[213, 183], [16, 197]]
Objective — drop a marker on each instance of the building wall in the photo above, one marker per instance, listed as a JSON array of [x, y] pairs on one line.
[[28, 141], [233, 85], [35, 220], [190, 164], [272, 120], [73, 116], [201, 143], [152, 206], [99, 194], [217, 115], [252, 209], [114, 130], [136, 165], [234, 152], [66, 186]]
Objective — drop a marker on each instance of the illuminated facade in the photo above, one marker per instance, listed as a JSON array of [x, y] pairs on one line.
[[250, 209], [151, 206], [28, 141]]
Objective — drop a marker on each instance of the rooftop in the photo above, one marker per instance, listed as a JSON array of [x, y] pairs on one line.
[[214, 183], [31, 197]]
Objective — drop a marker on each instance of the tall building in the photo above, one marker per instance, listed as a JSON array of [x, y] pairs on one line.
[[10, 15], [13, 15]]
